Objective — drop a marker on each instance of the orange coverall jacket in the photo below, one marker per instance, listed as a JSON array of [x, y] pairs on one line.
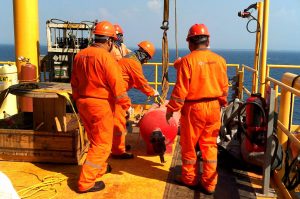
[[120, 52], [133, 77], [201, 88], [96, 87]]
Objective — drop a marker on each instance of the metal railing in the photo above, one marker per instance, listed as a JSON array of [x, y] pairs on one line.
[[273, 66], [7, 62], [286, 127], [157, 81]]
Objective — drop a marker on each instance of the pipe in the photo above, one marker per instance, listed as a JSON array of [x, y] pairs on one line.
[[260, 6], [285, 108], [263, 60], [26, 27]]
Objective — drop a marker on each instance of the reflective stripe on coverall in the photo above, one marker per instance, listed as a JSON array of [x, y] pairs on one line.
[[200, 89], [133, 76], [96, 88], [119, 52]]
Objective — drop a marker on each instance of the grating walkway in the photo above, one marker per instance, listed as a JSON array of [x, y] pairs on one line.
[[232, 183]]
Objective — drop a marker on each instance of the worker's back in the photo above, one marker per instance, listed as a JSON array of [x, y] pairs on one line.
[[90, 76], [207, 73]]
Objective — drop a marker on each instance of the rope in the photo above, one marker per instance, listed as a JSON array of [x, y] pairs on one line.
[[176, 32], [81, 133], [166, 10], [165, 51], [66, 95], [47, 184]]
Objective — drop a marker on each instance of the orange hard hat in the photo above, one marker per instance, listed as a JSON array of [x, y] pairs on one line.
[[148, 47], [197, 29], [105, 28], [118, 29]]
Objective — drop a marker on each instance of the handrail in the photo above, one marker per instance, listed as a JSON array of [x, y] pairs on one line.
[[8, 62], [247, 91], [156, 82], [249, 68], [288, 88], [284, 120], [289, 134], [283, 66], [271, 66]]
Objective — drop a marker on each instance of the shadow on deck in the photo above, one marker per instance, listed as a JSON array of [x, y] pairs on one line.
[[233, 180]]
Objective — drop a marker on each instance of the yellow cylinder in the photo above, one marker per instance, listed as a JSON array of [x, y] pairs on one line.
[[8, 77], [285, 109], [263, 60], [260, 6], [26, 24]]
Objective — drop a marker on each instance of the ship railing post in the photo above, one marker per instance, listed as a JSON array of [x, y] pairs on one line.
[[156, 76], [260, 6], [264, 47], [268, 152], [241, 83]]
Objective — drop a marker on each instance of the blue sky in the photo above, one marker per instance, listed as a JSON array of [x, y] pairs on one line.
[[141, 20]]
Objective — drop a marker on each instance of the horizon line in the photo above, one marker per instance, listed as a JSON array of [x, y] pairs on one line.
[[246, 49]]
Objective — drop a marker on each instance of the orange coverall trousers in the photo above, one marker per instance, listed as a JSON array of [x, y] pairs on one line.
[[119, 133], [200, 124], [97, 118]]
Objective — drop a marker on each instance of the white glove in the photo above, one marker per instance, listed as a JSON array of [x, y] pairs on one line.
[[156, 93], [130, 112]]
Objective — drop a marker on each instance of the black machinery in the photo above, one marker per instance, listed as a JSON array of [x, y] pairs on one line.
[[64, 40]]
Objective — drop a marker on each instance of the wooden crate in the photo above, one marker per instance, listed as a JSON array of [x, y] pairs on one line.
[[37, 146], [45, 110]]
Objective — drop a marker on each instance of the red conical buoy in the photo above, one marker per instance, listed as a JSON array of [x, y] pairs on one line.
[[155, 119]]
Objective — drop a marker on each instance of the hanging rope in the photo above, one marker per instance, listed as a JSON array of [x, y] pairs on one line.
[[176, 33], [165, 52]]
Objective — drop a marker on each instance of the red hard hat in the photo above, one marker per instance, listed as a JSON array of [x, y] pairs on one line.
[[105, 28], [197, 29], [118, 29], [148, 47]]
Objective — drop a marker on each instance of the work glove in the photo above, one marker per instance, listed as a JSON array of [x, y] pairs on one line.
[[168, 116], [156, 93], [130, 112], [156, 98]]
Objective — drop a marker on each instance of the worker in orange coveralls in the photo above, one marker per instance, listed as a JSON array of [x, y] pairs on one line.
[[97, 88], [200, 92], [132, 72], [119, 50]]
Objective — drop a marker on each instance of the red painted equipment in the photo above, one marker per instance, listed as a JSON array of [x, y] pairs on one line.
[[256, 123], [155, 119], [28, 74]]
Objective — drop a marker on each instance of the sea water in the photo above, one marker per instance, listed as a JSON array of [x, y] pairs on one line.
[[245, 57]]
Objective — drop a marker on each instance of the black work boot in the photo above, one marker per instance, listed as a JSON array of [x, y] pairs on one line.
[[128, 147], [202, 189], [123, 156], [108, 168], [97, 187], [179, 181]]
